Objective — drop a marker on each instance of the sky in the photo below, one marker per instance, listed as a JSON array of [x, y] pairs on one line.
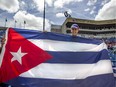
[[31, 11]]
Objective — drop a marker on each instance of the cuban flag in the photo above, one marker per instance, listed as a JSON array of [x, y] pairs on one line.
[[32, 58]]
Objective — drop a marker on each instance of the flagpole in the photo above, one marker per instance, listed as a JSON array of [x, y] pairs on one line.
[[5, 24], [24, 23], [44, 17], [5, 21], [15, 24]]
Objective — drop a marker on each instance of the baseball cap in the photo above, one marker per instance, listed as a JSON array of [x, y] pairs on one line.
[[74, 26]]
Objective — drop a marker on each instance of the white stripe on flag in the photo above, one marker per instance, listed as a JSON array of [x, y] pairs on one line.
[[52, 45], [69, 71]]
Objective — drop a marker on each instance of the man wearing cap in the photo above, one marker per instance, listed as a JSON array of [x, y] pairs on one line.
[[74, 29]]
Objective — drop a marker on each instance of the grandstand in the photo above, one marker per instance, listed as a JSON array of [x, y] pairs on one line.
[[104, 30]]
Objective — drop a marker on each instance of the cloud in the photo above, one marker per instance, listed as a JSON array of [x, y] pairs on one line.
[[59, 15], [91, 2], [9, 5], [104, 2], [22, 4], [107, 11], [32, 22], [49, 2], [69, 11], [40, 4], [87, 9], [61, 3], [93, 10]]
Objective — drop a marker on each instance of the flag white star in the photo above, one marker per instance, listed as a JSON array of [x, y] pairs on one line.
[[18, 56]]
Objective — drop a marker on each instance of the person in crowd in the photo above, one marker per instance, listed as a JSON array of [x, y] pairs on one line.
[[74, 29]]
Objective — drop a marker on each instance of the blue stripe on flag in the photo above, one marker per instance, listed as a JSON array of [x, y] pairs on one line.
[[105, 80], [29, 34], [78, 57]]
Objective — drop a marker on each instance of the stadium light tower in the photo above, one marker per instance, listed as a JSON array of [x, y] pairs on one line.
[[5, 22], [66, 14]]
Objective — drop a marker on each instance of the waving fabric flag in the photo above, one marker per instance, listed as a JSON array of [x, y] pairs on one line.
[[35, 59]]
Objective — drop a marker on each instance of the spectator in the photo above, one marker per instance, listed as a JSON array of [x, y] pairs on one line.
[[74, 29]]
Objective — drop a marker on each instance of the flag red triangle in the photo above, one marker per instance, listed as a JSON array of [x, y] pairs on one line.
[[30, 56]]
